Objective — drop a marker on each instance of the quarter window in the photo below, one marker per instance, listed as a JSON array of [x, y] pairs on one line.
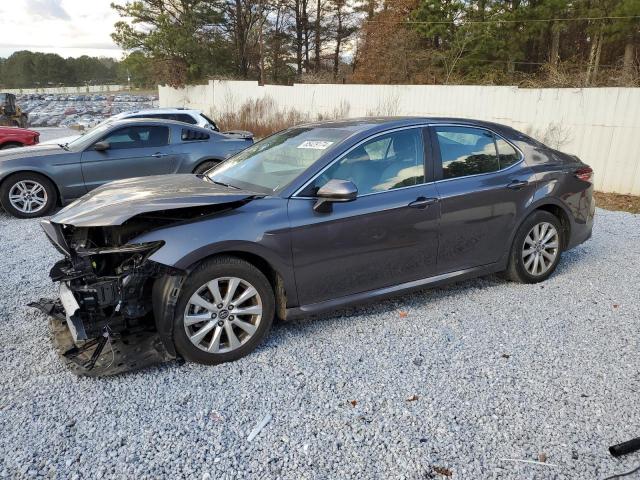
[[466, 151], [387, 162], [506, 153], [137, 137]]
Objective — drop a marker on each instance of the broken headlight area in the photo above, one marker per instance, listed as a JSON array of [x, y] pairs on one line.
[[103, 321]]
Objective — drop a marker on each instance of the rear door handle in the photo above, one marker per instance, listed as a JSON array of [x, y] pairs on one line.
[[422, 202], [517, 184], [159, 155]]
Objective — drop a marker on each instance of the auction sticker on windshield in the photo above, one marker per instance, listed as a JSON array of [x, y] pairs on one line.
[[315, 144]]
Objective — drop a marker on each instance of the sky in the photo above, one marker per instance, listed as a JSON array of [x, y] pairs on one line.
[[70, 28]]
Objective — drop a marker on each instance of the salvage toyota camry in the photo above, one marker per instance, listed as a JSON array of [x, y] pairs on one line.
[[313, 218]]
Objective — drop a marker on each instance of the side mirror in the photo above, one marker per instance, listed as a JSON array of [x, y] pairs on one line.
[[335, 191], [101, 146]]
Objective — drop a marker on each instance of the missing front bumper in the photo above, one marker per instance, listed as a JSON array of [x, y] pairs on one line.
[[121, 351]]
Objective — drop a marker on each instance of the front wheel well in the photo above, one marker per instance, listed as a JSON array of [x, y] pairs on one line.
[[33, 172], [206, 160], [274, 278], [11, 144], [561, 215]]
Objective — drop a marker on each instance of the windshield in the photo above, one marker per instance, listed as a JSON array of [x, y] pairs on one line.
[[273, 163]]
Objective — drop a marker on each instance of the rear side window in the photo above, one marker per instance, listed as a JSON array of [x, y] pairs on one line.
[[137, 137], [466, 151], [184, 118], [189, 134]]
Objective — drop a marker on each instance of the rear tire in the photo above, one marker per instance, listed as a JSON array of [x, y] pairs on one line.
[[536, 249], [40, 195], [210, 331], [204, 166]]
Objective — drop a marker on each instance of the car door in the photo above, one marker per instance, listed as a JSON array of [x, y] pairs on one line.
[[388, 235], [133, 151], [483, 186]]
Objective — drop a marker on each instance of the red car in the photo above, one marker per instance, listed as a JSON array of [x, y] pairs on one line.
[[11, 137]]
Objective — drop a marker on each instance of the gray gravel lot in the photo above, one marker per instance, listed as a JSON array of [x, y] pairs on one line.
[[500, 370]]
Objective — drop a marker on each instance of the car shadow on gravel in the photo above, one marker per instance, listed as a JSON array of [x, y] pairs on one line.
[[420, 299]]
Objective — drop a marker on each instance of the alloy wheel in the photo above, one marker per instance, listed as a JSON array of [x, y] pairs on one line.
[[28, 196], [223, 314], [540, 249]]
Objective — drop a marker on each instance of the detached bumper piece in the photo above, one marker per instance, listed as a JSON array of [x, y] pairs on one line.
[[110, 353], [103, 322]]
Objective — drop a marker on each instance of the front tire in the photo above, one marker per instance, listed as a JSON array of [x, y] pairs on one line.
[[28, 195], [536, 249], [225, 310], [204, 166], [7, 146]]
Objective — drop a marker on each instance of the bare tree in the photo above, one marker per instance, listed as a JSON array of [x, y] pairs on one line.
[[343, 28]]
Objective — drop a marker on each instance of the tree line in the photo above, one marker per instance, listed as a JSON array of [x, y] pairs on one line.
[[500, 42], [530, 42], [25, 69]]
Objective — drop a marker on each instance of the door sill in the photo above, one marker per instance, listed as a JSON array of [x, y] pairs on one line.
[[378, 294]]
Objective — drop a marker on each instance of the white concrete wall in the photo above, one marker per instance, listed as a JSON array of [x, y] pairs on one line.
[[600, 125], [69, 90]]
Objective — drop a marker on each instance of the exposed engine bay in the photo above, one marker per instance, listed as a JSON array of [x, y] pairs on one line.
[[115, 307], [103, 322]]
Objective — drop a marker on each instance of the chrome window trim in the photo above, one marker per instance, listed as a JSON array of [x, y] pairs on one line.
[[353, 147], [497, 135]]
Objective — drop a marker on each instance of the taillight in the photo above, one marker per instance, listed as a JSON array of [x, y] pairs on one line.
[[585, 174]]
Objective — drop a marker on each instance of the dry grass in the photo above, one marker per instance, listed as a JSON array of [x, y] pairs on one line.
[[615, 201], [261, 117]]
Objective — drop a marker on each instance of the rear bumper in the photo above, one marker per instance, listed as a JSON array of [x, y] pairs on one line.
[[583, 218]]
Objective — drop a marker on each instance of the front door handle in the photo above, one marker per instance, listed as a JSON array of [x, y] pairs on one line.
[[159, 155], [517, 184], [422, 202]]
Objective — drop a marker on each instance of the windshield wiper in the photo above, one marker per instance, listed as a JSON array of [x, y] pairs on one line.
[[223, 184], [65, 146]]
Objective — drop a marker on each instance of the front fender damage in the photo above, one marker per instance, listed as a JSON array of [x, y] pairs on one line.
[[105, 321]]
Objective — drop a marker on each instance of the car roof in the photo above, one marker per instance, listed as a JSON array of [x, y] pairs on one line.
[[155, 121], [364, 124], [160, 110]]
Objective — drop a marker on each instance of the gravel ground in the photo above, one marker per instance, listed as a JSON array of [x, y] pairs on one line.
[[494, 370]]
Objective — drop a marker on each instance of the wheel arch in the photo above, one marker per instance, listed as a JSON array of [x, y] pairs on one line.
[[274, 276], [551, 205], [561, 214], [205, 160], [166, 291], [36, 172], [12, 142]]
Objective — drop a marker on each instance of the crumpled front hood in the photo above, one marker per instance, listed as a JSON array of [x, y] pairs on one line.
[[118, 201]]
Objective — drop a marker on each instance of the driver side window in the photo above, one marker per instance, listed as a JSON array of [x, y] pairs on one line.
[[384, 163], [137, 137]]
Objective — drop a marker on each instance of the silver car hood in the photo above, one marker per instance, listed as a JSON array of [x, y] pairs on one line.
[[31, 151], [116, 202]]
